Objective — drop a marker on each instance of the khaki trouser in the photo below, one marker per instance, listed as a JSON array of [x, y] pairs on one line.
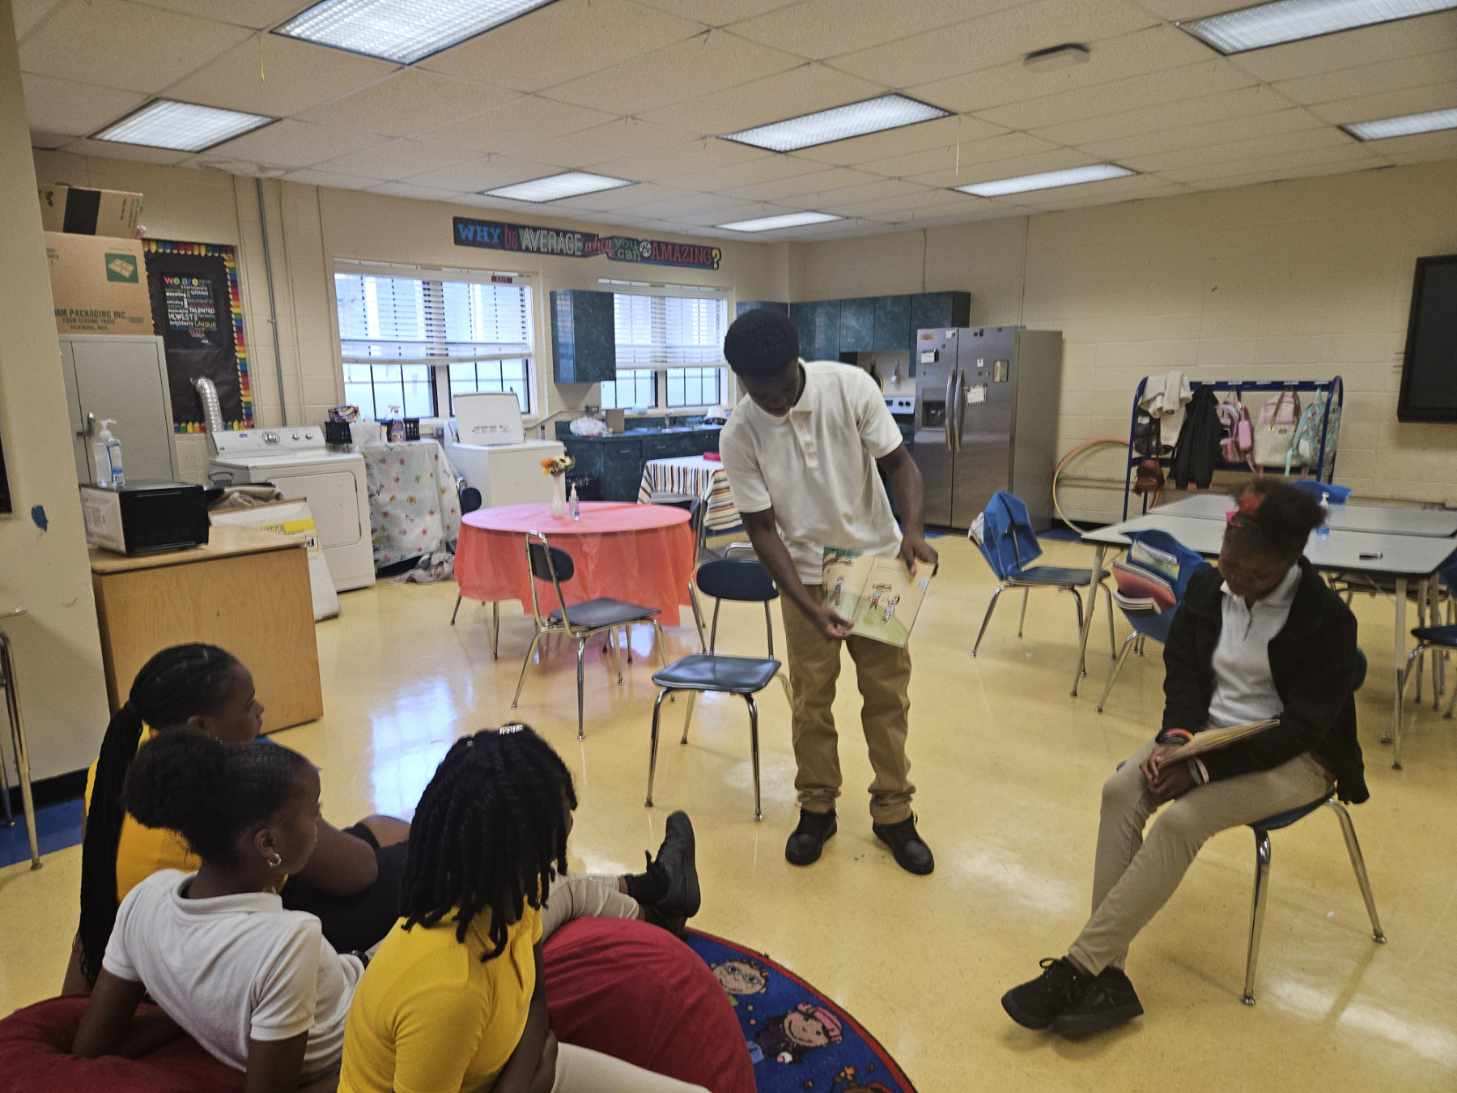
[[584, 896], [883, 674], [1134, 877]]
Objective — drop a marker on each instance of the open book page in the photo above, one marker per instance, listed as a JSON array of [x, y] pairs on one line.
[[1214, 739], [877, 596]]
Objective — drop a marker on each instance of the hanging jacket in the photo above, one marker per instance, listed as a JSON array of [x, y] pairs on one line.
[[1197, 449]]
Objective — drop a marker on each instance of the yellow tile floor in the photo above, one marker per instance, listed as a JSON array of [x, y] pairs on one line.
[[1009, 768]]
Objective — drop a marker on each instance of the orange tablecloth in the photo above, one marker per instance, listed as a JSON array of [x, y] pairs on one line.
[[639, 553]]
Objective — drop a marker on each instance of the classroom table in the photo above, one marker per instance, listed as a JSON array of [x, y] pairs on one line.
[[1382, 519], [692, 476], [1404, 558]]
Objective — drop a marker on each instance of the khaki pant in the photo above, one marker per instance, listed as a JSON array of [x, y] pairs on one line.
[[883, 674], [584, 896], [1133, 877]]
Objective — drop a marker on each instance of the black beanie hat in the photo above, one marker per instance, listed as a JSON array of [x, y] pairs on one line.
[[760, 343]]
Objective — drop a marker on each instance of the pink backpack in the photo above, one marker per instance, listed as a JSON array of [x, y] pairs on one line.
[[1238, 444]]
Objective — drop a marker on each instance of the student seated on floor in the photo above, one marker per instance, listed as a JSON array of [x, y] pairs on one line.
[[1260, 638], [453, 997]]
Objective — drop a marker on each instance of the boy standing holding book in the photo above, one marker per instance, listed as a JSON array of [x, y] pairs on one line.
[[804, 452]]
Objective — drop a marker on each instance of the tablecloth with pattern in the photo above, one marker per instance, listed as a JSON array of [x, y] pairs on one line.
[[414, 508], [692, 475]]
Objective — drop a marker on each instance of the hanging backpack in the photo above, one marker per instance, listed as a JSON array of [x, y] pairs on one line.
[[1305, 444], [1276, 429], [1197, 449], [1238, 443]]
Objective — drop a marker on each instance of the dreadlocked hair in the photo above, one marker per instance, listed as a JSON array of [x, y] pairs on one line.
[[175, 685], [210, 792], [489, 834]]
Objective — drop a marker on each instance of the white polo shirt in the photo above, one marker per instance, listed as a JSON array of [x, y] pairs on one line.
[[815, 467], [1244, 686]]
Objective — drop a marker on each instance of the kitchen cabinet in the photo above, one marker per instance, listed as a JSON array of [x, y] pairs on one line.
[[857, 326], [622, 460], [768, 305], [892, 323], [583, 336], [934, 311]]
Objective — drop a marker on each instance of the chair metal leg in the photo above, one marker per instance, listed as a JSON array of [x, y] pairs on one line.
[[1113, 650], [22, 751], [697, 617], [688, 717], [783, 678], [1078, 603], [662, 644], [495, 630], [1358, 864], [458, 598], [1022, 621], [1421, 621], [525, 663], [610, 648], [754, 752], [1451, 704], [653, 747], [1128, 644], [1257, 912], [581, 655], [987, 618]]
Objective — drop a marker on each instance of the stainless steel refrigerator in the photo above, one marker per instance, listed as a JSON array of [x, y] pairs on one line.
[[986, 419]]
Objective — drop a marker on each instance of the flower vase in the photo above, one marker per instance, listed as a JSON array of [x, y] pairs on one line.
[[559, 496]]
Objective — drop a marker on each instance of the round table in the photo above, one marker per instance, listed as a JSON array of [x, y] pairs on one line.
[[642, 554]]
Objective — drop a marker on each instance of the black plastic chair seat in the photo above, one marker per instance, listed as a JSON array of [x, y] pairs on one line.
[[596, 614], [1285, 819], [1056, 575], [731, 675], [1437, 635]]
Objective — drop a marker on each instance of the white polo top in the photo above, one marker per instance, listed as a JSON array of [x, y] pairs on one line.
[[815, 467], [1244, 687]]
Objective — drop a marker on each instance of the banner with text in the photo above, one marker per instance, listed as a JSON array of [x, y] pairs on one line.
[[560, 243]]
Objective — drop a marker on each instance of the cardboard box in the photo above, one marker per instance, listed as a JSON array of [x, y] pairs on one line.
[[99, 284], [82, 211]]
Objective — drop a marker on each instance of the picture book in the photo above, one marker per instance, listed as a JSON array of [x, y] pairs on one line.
[[1213, 739], [878, 596]]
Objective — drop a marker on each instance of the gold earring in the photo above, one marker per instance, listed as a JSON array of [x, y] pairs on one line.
[[273, 860]]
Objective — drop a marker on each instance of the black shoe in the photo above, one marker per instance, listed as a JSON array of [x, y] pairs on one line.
[[809, 838], [911, 853], [1039, 1002], [1108, 1001], [676, 857]]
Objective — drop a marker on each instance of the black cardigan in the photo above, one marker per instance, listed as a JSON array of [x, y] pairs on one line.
[[1313, 660]]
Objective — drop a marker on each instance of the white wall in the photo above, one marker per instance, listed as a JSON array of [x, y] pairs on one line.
[[57, 648], [1310, 277]]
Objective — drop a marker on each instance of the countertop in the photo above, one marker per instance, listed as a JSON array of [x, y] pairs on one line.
[[223, 542], [639, 434]]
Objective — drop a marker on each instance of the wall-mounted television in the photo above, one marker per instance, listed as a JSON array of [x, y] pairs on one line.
[[1429, 372]]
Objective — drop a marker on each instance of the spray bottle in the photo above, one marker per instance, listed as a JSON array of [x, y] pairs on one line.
[[106, 454], [1324, 531]]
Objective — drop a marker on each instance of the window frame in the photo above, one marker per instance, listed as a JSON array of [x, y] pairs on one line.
[[662, 373]]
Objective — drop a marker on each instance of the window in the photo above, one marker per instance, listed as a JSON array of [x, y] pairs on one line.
[[669, 348], [410, 342]]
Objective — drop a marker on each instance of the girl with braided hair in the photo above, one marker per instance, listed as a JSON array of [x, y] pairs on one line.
[[453, 999], [351, 882]]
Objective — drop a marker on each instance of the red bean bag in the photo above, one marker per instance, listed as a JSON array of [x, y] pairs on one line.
[[632, 990]]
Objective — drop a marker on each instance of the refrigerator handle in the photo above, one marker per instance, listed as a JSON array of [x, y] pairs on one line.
[[949, 417], [960, 409], [955, 413]]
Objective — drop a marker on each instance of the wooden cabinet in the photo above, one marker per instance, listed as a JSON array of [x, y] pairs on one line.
[[892, 323], [857, 326], [583, 336]]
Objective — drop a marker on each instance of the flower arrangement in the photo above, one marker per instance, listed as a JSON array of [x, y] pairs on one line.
[[556, 466]]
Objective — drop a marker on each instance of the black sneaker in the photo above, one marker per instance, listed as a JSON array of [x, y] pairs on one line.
[[809, 838], [1038, 1002], [911, 852], [1108, 1001], [677, 858]]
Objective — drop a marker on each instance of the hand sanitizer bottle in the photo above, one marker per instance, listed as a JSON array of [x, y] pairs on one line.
[[106, 454], [574, 504], [1324, 531]]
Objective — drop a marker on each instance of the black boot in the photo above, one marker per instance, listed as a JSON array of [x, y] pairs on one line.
[[667, 890], [1038, 1002], [1108, 1002], [910, 850], [809, 838]]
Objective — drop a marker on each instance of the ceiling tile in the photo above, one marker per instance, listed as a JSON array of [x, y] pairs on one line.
[[293, 144], [616, 140], [131, 46], [1282, 174], [486, 173], [710, 62], [908, 139], [1190, 112], [397, 159], [46, 141], [61, 106], [1168, 85], [257, 14], [692, 160], [105, 150], [1148, 50], [1195, 136], [409, 102], [815, 183], [1303, 141], [414, 191], [927, 201], [1419, 149], [1356, 155], [881, 189], [993, 39], [716, 13], [529, 117], [1390, 104], [279, 77], [1347, 83], [1006, 146], [710, 209], [30, 12], [828, 28], [332, 179], [1054, 160], [563, 41], [801, 90], [765, 168], [637, 198], [1404, 38], [1190, 9], [1097, 193]]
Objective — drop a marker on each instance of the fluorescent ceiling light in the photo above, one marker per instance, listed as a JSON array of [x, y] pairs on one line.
[[556, 187], [839, 123], [1406, 125], [184, 126], [1047, 180], [1291, 20], [404, 31], [788, 220]]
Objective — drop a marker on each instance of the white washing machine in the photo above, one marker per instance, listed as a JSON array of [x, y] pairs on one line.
[[502, 463], [296, 460]]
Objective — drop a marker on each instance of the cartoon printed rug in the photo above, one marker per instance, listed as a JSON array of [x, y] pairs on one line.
[[800, 1041]]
